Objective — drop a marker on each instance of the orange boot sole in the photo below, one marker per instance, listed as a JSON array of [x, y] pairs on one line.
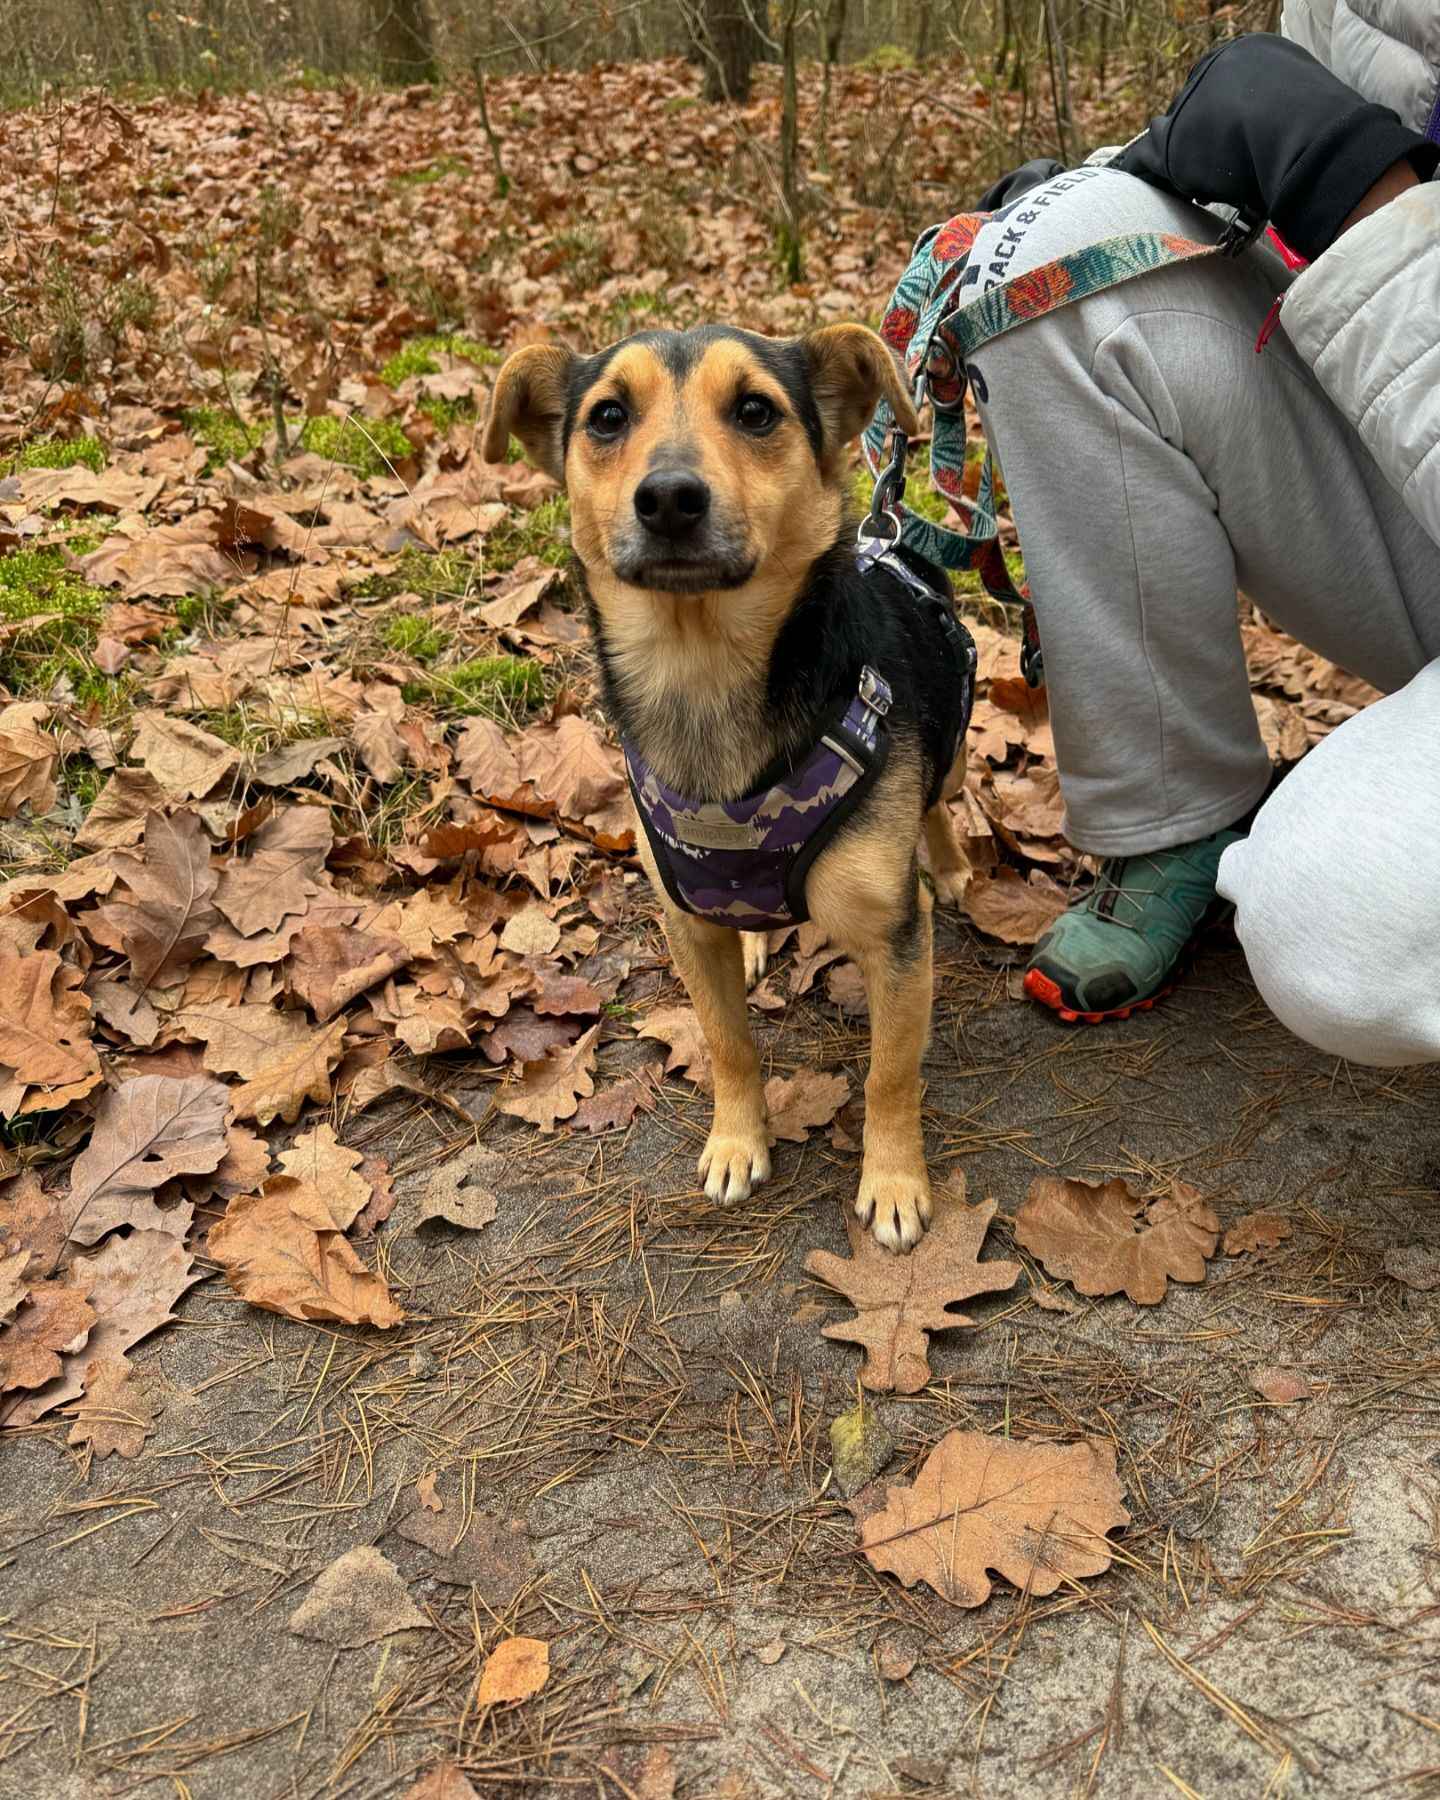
[[1040, 987]]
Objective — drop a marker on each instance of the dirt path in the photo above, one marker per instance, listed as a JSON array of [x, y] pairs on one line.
[[640, 1378]]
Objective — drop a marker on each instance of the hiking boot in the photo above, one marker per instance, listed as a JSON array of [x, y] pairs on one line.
[[1115, 952]]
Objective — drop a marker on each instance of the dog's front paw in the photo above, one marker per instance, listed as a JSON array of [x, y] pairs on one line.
[[951, 886], [755, 946], [733, 1164], [896, 1207]]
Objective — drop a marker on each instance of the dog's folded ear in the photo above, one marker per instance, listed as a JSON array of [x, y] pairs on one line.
[[529, 403], [851, 369]]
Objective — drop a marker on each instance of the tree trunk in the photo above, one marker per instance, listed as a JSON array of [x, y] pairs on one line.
[[730, 42], [405, 41], [792, 253]]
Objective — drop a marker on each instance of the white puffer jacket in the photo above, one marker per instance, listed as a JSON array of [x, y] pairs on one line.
[[1366, 314]]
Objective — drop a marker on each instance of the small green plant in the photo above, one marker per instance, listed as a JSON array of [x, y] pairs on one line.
[[583, 249], [544, 532], [420, 356], [678, 103], [53, 617], [368, 446], [80, 781], [498, 685], [442, 414], [439, 575], [432, 172], [202, 612], [56, 453], [226, 436], [410, 635], [639, 311], [258, 729]]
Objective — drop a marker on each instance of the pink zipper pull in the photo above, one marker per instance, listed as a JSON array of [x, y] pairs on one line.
[[1272, 319]]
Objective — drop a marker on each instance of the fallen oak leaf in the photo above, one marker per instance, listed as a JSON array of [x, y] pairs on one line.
[[15, 1284], [166, 908], [331, 965], [132, 1284], [45, 1026], [516, 1669], [1034, 1512], [27, 769], [1256, 1233], [1103, 1239], [185, 761], [282, 873], [613, 1108], [359, 1599], [551, 1090], [679, 1030], [800, 1104], [329, 1172], [472, 1549], [1414, 1265], [117, 816], [459, 1191], [274, 1260], [443, 1782], [900, 1299], [55, 1319], [147, 1131], [118, 1410], [1015, 911], [1281, 1387], [32, 1218]]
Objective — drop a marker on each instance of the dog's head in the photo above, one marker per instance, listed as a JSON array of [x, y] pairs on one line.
[[699, 462]]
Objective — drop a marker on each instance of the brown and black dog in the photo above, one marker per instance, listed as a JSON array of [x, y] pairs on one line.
[[706, 473]]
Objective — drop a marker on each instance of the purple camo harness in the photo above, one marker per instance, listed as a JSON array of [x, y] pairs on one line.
[[743, 863]]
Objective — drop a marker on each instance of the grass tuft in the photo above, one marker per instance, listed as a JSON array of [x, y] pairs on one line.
[[368, 446], [434, 575], [56, 453], [544, 531], [499, 686], [421, 356], [223, 434], [413, 636]]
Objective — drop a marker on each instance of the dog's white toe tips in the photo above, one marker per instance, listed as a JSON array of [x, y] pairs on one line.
[[732, 1168]]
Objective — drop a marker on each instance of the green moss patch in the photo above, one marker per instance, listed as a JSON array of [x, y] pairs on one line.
[[498, 685], [225, 436], [437, 575], [421, 356], [410, 635], [368, 446], [544, 532], [432, 172], [52, 616], [56, 453]]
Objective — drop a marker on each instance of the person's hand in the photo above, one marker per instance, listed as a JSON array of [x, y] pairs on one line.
[[1262, 126]]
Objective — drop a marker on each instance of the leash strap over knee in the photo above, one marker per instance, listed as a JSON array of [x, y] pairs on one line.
[[936, 330]]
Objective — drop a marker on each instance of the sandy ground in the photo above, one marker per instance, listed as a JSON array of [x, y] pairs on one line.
[[639, 1377]]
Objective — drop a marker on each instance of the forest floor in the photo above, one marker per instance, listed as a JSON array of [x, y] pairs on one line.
[[382, 1408]]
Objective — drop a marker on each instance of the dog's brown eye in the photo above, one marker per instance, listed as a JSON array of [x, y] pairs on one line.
[[756, 413], [607, 420]]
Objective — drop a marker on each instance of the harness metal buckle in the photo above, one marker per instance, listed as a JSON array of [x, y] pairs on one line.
[[875, 691]]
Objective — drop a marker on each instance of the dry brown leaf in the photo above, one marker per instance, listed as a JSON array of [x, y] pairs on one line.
[[460, 1190], [14, 1282], [679, 1030], [125, 1010], [243, 1040], [1281, 1387], [1015, 911], [147, 1132], [275, 1261], [381, 747], [27, 769], [899, 1299], [515, 1669], [530, 932], [1035, 1512], [185, 761], [800, 1104], [293, 762], [443, 1782], [282, 873], [473, 1549], [425, 1492], [55, 1319], [1414, 1265], [109, 490], [552, 1089], [30, 1216], [571, 764], [770, 1653], [244, 1166], [612, 1108], [165, 908], [167, 561], [1103, 1239], [118, 1411], [332, 965], [334, 1192], [1256, 1233], [132, 1284], [46, 1056], [358, 1600], [283, 1058], [118, 815], [486, 761]]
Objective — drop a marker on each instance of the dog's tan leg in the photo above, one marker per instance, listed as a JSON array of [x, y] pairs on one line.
[[949, 864], [709, 960], [894, 1196], [756, 948]]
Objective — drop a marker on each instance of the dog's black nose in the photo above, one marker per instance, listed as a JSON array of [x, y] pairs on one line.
[[671, 503]]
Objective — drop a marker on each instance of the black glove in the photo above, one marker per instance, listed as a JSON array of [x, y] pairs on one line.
[[1263, 127], [1019, 181]]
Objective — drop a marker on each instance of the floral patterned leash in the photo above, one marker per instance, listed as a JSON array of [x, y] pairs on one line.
[[936, 335]]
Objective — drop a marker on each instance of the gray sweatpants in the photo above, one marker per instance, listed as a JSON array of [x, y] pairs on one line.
[[1155, 464]]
